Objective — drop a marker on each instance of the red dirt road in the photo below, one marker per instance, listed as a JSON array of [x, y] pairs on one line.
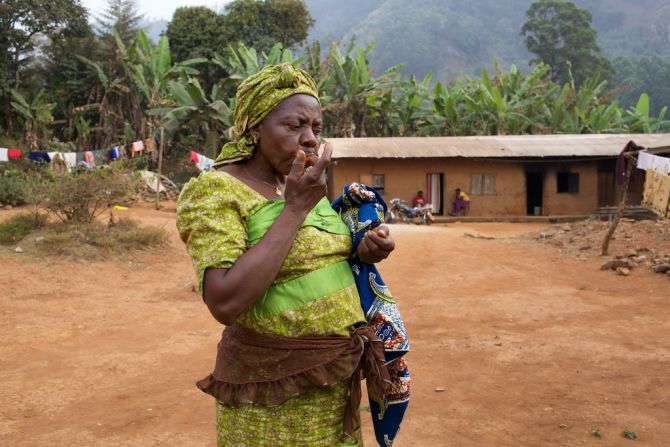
[[530, 347]]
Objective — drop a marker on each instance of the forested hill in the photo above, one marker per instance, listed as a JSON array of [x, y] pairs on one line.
[[456, 37]]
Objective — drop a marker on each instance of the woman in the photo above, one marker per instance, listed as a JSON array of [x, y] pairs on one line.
[[462, 200], [270, 255]]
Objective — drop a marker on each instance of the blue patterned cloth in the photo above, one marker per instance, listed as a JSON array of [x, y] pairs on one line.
[[362, 208]]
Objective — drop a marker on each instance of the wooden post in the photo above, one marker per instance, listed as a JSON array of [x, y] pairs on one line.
[[160, 168], [630, 161]]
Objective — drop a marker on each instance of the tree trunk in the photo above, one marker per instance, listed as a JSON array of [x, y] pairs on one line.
[[630, 161]]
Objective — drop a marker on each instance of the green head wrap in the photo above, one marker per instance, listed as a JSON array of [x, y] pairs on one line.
[[256, 97]]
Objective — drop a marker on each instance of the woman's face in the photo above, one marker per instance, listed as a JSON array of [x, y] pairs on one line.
[[293, 125]]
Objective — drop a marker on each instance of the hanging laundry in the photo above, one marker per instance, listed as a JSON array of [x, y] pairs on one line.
[[656, 193], [88, 158], [14, 153], [3, 154], [80, 157], [39, 157], [86, 165], [136, 148], [205, 164], [150, 145], [645, 161], [114, 153], [70, 159], [662, 196], [124, 150]]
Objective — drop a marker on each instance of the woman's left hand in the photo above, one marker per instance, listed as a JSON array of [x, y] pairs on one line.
[[377, 245]]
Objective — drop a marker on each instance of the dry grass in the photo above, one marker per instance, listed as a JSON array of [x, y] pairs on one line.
[[92, 241]]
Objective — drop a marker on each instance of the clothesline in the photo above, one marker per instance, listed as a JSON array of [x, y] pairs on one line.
[[85, 159]]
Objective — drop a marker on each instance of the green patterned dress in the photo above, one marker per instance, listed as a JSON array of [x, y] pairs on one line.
[[213, 216]]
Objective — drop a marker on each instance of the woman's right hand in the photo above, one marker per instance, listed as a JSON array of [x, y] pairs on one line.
[[304, 188]]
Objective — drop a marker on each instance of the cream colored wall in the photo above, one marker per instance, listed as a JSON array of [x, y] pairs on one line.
[[404, 177], [583, 202]]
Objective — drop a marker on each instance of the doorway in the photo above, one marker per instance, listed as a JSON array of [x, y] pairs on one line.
[[534, 192], [434, 192]]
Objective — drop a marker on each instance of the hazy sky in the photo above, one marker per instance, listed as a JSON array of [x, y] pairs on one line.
[[155, 9]]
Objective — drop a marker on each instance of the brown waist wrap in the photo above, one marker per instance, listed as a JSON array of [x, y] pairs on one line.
[[267, 370]]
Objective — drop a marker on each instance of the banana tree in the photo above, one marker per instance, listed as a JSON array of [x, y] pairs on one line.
[[638, 120], [36, 115], [110, 97], [508, 103], [413, 104], [448, 117], [584, 110], [241, 62], [352, 84], [192, 109], [151, 68]]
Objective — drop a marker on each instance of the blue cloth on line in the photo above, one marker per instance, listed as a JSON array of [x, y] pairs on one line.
[[39, 157]]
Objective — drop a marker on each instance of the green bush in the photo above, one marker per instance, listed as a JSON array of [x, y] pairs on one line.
[[19, 226], [13, 188], [80, 196]]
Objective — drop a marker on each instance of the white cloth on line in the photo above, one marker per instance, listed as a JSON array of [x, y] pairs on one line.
[[70, 159], [645, 161], [3, 154], [204, 163]]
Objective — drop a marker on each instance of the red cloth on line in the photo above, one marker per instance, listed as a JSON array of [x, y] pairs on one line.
[[194, 157], [14, 154]]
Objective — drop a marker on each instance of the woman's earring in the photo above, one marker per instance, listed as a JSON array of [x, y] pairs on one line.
[[254, 139]]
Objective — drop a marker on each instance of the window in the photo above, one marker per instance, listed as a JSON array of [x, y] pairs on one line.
[[378, 182], [482, 183], [567, 182]]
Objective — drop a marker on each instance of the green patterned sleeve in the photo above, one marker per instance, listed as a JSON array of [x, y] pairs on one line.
[[210, 223]]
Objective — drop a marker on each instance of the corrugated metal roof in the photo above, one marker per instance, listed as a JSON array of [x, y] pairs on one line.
[[592, 145]]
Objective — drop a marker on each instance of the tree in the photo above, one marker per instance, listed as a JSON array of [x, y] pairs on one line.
[[560, 35], [194, 32], [36, 115], [349, 88], [21, 22], [197, 112], [262, 23], [635, 76], [67, 80], [121, 15]]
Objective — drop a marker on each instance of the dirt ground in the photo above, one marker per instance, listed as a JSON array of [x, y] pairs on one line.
[[515, 342]]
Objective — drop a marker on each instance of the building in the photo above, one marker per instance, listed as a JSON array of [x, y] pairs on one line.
[[504, 175]]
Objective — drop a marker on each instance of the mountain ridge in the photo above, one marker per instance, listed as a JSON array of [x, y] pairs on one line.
[[452, 38]]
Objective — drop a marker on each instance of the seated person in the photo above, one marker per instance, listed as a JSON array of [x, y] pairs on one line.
[[419, 199], [462, 200]]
